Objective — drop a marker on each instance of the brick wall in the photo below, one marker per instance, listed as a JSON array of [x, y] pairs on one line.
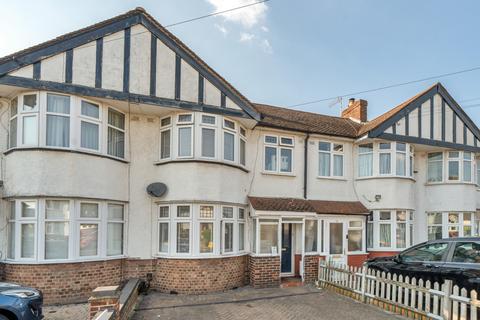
[[138, 268], [264, 271], [357, 260], [191, 276], [310, 268], [66, 282], [2, 271]]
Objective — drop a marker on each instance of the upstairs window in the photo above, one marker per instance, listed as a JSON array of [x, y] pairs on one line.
[[330, 159], [278, 154], [401, 156], [165, 137], [385, 157], [435, 167], [29, 120], [90, 125], [453, 165], [13, 123], [467, 166], [365, 160], [116, 133], [58, 120]]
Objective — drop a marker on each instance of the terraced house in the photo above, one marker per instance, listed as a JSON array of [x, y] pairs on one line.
[[125, 155]]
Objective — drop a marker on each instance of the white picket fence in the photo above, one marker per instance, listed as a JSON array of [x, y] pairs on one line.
[[436, 301]]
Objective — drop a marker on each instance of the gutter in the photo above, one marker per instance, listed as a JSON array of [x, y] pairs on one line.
[[305, 167]]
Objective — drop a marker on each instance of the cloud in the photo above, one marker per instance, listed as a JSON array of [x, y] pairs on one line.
[[248, 16], [246, 37], [264, 29], [222, 29], [266, 46]]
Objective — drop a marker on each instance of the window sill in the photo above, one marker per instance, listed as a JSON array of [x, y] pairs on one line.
[[332, 178], [264, 255], [63, 261], [197, 257], [453, 183], [190, 160], [268, 173], [11, 150], [385, 177]]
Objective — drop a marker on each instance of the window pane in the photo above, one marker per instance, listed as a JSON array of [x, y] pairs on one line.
[[429, 252], [57, 209], [453, 218], [270, 139], [58, 131], [183, 211], [165, 144], [401, 215], [354, 240], [89, 135], [401, 163], [384, 146], [324, 146], [286, 141], [208, 119], [453, 231], [228, 146], [166, 121], [163, 237], [56, 240], [365, 165], [242, 152], [467, 224], [27, 236], [14, 107], [453, 170], [385, 235], [90, 110], [29, 102], [88, 210], [185, 118], [185, 142], [338, 147], [434, 232], [268, 238], [270, 159], [355, 224], [13, 133], [183, 237], [28, 209], [12, 211], [467, 171], [311, 230], [30, 130], [58, 104], [337, 165], [435, 218], [324, 164], [467, 252], [434, 169], [206, 212], [11, 240], [241, 236], [208, 143], [227, 212], [385, 163], [385, 215], [228, 237], [116, 143], [114, 239], [241, 213], [365, 148], [229, 124], [401, 235], [88, 239], [164, 212], [206, 237], [370, 235], [401, 147], [116, 119], [285, 160], [115, 212]]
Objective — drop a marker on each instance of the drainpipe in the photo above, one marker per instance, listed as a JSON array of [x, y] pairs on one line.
[[305, 167]]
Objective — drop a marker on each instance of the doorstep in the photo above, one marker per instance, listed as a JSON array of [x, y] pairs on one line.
[[289, 282]]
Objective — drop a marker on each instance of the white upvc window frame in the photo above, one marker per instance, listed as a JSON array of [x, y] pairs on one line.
[[22, 114], [467, 162], [453, 159], [242, 221], [71, 221], [360, 228], [232, 132], [442, 175], [167, 221], [92, 120], [406, 161], [224, 221], [164, 128], [370, 154], [192, 142], [86, 220], [209, 220], [181, 122], [242, 139], [305, 235], [278, 146], [18, 228], [259, 221], [13, 117], [208, 126], [64, 115], [385, 152], [124, 130], [332, 153], [177, 220]]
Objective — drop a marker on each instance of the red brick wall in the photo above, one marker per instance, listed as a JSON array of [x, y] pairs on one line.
[[192, 276], [310, 269], [66, 282], [138, 268], [357, 260], [264, 271]]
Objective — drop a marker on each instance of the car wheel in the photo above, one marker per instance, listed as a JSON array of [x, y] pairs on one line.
[[2, 317]]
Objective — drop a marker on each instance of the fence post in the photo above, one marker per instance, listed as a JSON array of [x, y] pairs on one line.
[[447, 306], [364, 283]]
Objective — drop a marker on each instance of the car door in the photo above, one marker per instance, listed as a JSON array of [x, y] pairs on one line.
[[424, 261], [463, 264]]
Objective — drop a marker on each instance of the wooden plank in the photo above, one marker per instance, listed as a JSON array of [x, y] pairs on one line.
[[428, 285], [473, 305], [463, 306], [456, 292], [436, 309]]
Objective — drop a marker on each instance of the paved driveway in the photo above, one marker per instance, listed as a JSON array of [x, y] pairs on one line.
[[247, 303]]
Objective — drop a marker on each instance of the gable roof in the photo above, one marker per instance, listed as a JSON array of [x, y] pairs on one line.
[[303, 205], [91, 33], [308, 122]]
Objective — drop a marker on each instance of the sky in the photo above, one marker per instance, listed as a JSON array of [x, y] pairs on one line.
[[286, 52]]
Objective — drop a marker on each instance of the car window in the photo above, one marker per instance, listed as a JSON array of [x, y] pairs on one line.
[[428, 252], [467, 252]]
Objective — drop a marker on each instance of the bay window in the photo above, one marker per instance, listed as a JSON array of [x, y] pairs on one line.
[[58, 120], [365, 160], [116, 133], [459, 166], [390, 230], [330, 159], [452, 225], [278, 154]]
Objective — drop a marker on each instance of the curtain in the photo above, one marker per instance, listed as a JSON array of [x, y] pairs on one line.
[[116, 142], [13, 133], [88, 210], [241, 236], [206, 237], [453, 169], [270, 158], [385, 163], [183, 237], [58, 131], [56, 240], [116, 119], [163, 237], [435, 171], [242, 152], [185, 142], [401, 164], [228, 237], [467, 170], [385, 235], [90, 110], [401, 235], [115, 212], [88, 240], [27, 240], [324, 165], [165, 142], [114, 239], [57, 209], [89, 135], [228, 146], [208, 142], [286, 160], [337, 165], [30, 130], [365, 165]]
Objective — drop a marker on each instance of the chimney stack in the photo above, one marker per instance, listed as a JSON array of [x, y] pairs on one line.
[[356, 110]]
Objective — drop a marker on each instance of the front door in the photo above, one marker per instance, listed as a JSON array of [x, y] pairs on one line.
[[286, 248], [337, 243]]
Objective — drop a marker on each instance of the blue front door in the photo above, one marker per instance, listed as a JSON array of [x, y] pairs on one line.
[[286, 247]]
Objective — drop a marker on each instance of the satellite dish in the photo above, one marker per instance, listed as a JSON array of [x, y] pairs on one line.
[[156, 189]]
